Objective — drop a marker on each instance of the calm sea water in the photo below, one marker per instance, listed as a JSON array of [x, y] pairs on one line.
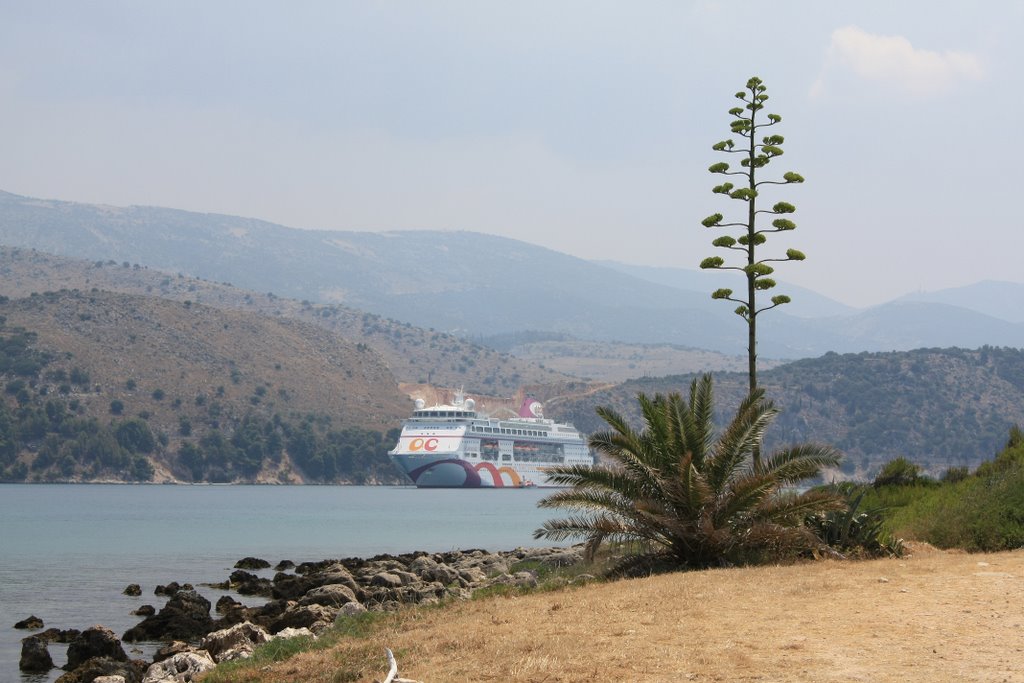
[[67, 552]]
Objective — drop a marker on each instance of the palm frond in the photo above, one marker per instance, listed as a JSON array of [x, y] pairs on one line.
[[801, 462], [685, 495], [740, 438], [701, 422], [794, 506]]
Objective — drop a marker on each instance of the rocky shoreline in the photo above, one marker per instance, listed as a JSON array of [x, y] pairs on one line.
[[300, 600]]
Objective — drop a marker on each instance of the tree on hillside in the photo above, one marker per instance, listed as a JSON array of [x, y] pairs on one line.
[[755, 155], [691, 499]]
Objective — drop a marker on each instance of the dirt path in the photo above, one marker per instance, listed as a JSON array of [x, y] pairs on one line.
[[930, 617]]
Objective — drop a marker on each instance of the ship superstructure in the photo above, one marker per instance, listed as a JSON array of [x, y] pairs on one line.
[[453, 446]]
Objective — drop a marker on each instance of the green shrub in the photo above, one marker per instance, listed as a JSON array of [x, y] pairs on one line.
[[898, 472], [134, 436], [983, 513], [858, 530], [954, 474]]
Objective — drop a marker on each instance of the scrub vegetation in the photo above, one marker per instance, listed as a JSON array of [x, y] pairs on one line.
[[979, 511]]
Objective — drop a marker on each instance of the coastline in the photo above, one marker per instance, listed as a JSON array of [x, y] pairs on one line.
[[69, 551], [303, 600]]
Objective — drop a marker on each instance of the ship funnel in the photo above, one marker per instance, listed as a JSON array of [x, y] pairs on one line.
[[531, 408]]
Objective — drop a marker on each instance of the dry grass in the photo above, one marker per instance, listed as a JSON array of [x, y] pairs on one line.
[[932, 616]]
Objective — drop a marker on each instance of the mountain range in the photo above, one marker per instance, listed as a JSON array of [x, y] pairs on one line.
[[474, 285], [118, 361]]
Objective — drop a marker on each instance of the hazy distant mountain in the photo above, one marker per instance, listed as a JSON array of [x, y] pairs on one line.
[[938, 407], [414, 355], [468, 283], [806, 303], [998, 299]]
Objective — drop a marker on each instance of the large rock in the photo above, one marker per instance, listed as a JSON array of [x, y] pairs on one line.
[[250, 584], [552, 557], [472, 576], [35, 657], [32, 623], [237, 642], [333, 595], [183, 667], [491, 564], [251, 563], [169, 590], [186, 616], [386, 580], [170, 649], [431, 570], [97, 667], [226, 603], [56, 635], [349, 610], [95, 641], [132, 589], [313, 617], [519, 580], [294, 586], [286, 633]]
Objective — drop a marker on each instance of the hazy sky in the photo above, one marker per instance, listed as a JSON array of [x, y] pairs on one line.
[[583, 126]]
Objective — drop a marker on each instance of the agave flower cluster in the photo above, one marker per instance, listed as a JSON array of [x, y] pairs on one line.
[[691, 497]]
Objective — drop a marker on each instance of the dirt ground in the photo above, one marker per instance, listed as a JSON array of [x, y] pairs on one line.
[[932, 616]]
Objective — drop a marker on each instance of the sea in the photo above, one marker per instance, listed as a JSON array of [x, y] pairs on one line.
[[68, 551]]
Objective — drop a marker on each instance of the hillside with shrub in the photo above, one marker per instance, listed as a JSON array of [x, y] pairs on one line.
[[414, 355], [107, 386], [939, 407]]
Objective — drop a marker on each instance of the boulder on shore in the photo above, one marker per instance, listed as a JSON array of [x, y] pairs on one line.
[[183, 667], [331, 595], [95, 641], [97, 667], [249, 584], [170, 649], [35, 658], [252, 563], [186, 616], [56, 635], [32, 623], [237, 642]]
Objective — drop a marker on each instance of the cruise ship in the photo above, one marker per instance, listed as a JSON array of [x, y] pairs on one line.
[[451, 446]]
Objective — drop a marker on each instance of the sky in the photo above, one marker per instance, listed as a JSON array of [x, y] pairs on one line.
[[584, 126]]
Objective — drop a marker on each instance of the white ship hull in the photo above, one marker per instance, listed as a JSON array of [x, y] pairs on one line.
[[453, 447]]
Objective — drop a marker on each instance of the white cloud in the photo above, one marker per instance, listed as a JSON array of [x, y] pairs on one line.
[[893, 61]]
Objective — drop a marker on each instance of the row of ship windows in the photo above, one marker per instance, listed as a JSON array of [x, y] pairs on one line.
[[512, 432], [492, 430], [443, 413], [505, 457]]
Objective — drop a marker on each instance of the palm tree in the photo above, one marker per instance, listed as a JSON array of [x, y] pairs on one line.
[[691, 499]]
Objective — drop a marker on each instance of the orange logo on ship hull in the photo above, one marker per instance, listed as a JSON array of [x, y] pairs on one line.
[[496, 474], [423, 445]]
